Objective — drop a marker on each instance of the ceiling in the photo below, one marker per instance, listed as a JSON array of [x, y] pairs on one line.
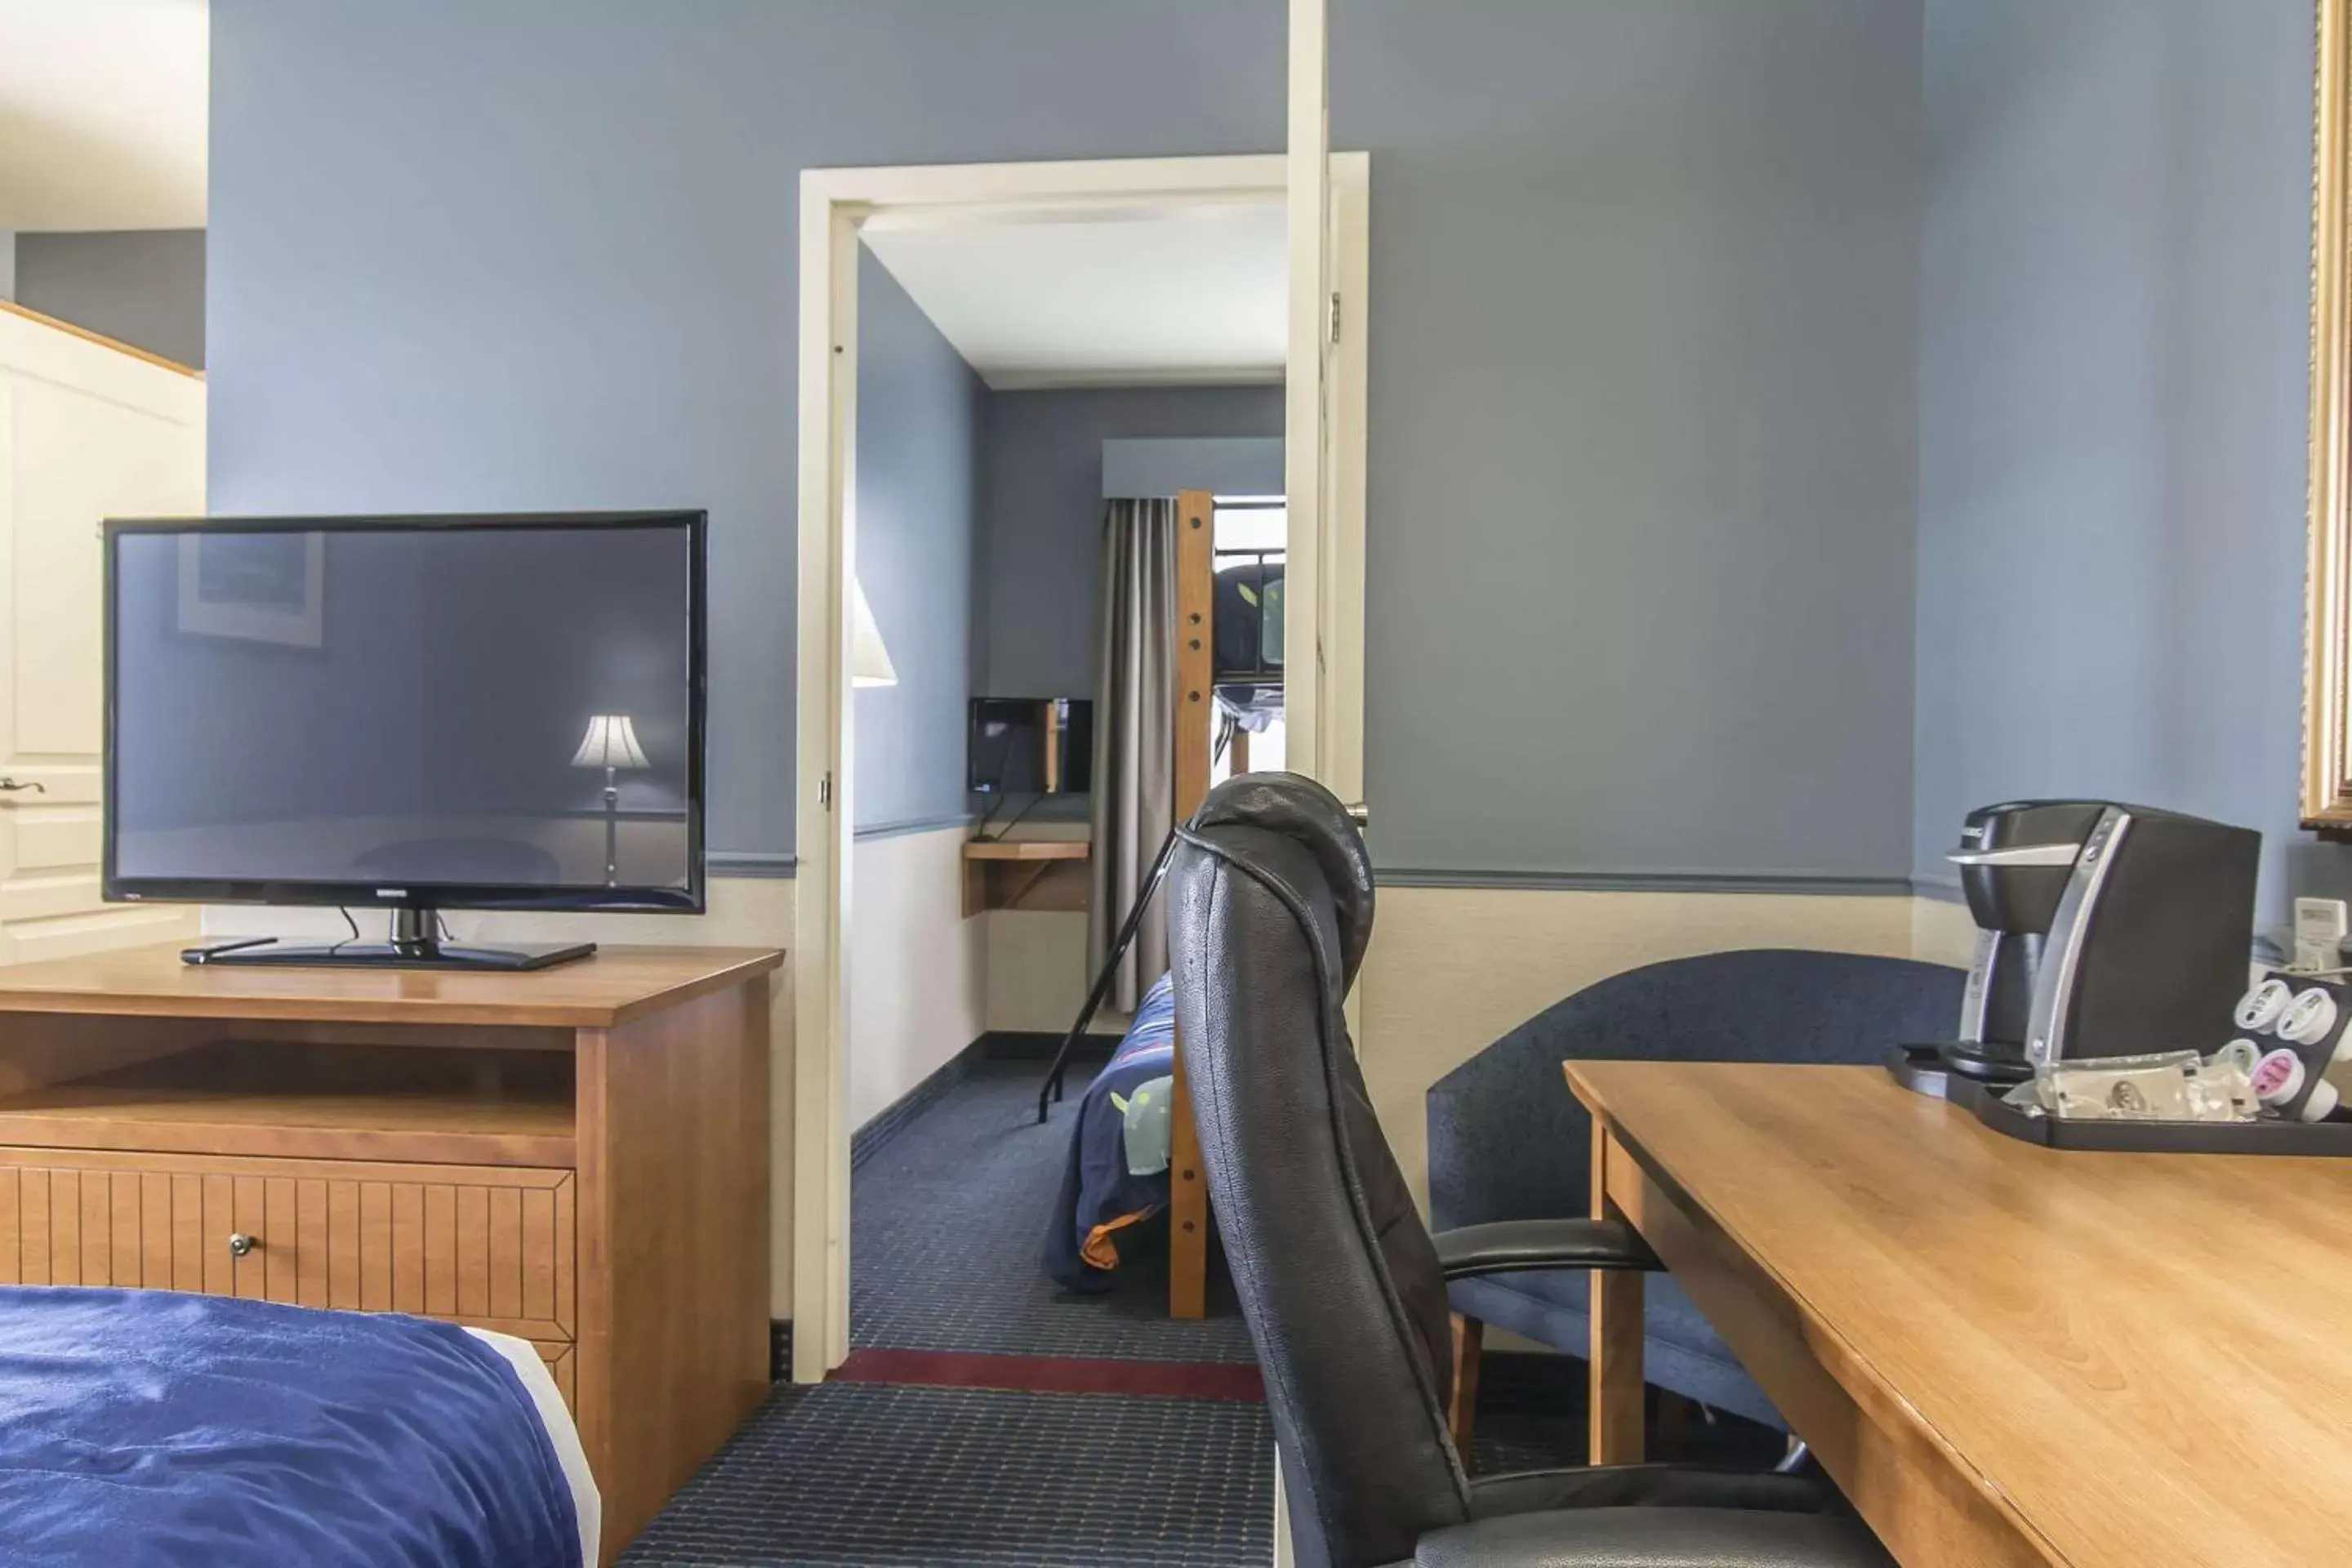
[[1193, 296], [102, 113]]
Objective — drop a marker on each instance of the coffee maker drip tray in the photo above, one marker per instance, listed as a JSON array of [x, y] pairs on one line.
[[1931, 1069]]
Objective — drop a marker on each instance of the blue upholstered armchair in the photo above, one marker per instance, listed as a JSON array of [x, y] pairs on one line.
[[1506, 1140]]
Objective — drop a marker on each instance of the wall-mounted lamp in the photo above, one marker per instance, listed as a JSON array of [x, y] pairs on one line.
[[870, 661]]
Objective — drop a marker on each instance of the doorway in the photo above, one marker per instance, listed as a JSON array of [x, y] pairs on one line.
[[1327, 353]]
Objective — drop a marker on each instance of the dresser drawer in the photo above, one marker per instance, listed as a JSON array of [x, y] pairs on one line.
[[482, 1244]]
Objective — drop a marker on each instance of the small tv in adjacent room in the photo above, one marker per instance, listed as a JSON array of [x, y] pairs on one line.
[[420, 713], [1030, 746]]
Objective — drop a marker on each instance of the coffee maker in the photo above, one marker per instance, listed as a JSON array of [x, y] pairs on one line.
[[2102, 930]]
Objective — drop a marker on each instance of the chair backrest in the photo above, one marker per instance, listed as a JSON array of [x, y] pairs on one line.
[[1504, 1145], [1271, 907]]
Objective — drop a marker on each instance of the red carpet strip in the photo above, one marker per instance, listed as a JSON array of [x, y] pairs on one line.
[[1233, 1382]]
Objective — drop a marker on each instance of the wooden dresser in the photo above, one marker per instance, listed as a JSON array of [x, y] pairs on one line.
[[578, 1156]]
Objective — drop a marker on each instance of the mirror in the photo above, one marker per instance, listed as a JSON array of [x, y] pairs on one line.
[[2327, 634]]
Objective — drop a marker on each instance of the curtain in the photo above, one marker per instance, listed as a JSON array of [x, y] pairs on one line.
[[1135, 723]]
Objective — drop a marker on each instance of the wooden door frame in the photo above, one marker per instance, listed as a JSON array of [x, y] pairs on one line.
[[836, 204]]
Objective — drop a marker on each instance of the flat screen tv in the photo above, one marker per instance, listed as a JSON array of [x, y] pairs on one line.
[[1030, 746], [421, 713]]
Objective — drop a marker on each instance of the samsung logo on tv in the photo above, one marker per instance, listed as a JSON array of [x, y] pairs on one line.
[[392, 892]]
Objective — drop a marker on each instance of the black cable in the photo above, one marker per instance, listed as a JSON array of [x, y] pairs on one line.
[[349, 921], [995, 799], [1017, 816]]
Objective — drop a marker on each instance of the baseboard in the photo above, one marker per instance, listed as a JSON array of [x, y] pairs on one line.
[[780, 1350], [997, 1044], [1036, 1045], [885, 1123]]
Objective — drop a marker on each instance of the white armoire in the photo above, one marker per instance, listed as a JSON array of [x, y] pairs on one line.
[[89, 429]]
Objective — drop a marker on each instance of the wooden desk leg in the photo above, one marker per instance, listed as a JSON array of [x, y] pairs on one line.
[[1615, 1435], [1188, 1208], [1462, 1414]]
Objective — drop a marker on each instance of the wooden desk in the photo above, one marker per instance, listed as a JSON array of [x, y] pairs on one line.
[[2004, 1354], [576, 1155]]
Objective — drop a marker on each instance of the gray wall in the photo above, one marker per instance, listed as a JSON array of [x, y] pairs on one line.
[[1645, 352], [918, 422], [1042, 516], [2114, 337], [1643, 441], [1228, 465], [142, 285], [493, 254]]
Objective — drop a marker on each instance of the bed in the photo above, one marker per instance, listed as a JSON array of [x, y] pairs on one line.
[[155, 1429], [1116, 1178]]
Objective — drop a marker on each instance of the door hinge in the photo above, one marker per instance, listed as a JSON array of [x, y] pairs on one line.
[[824, 792], [1335, 315]]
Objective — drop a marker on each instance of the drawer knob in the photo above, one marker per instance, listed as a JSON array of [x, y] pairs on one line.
[[239, 1244]]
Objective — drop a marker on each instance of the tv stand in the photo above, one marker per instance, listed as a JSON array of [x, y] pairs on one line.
[[415, 944], [579, 1159]]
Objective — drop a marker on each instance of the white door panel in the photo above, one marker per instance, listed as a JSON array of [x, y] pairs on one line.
[[96, 931], [78, 460], [55, 839]]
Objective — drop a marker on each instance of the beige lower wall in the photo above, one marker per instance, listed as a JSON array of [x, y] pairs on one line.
[[1037, 973], [1453, 968], [1036, 959], [744, 912], [1943, 931], [1450, 970], [918, 980]]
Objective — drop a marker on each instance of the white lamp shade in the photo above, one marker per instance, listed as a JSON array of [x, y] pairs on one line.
[[870, 661], [611, 742]]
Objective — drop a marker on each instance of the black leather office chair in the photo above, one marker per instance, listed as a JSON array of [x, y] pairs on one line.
[[1343, 1287]]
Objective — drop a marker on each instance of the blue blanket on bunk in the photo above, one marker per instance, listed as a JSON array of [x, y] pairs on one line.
[[140, 1429], [1102, 1201]]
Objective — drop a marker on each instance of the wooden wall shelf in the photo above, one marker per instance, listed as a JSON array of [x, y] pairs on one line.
[[1026, 874]]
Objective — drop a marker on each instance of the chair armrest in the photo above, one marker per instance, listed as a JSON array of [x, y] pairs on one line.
[[1522, 1245]]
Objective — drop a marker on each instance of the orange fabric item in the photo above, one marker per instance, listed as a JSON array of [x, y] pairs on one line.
[[1099, 1251]]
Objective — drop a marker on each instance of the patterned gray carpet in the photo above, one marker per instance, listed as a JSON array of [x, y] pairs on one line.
[[866, 1476], [947, 1221]]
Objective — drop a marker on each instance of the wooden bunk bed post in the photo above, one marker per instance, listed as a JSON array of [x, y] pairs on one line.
[[1188, 1195]]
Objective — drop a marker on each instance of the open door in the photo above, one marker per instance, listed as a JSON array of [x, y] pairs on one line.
[[89, 430], [1323, 459]]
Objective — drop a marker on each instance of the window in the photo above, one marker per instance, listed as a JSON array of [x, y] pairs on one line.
[[1246, 527]]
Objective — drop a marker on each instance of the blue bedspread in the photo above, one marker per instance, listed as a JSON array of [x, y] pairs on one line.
[[1102, 1202], [144, 1428]]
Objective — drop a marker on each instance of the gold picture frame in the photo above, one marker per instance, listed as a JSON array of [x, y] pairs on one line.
[[2327, 630]]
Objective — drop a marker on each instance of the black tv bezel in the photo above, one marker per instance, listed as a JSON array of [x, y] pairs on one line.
[[690, 901]]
